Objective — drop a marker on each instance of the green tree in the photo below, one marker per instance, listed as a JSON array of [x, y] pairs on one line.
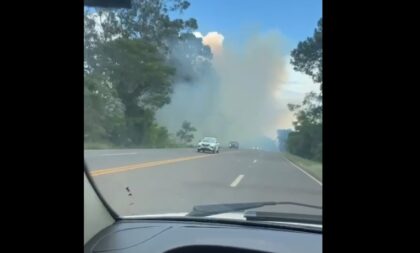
[[142, 80], [132, 60], [191, 59], [186, 132], [139, 73], [103, 110], [149, 20], [307, 57], [306, 140]]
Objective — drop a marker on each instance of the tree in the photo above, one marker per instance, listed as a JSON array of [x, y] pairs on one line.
[[306, 140], [191, 59], [307, 57], [186, 133], [103, 110], [139, 73], [149, 21], [133, 57]]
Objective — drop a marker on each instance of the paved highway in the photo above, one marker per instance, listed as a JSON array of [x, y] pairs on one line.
[[174, 180]]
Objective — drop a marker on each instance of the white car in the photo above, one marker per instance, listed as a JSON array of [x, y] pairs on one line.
[[208, 144]]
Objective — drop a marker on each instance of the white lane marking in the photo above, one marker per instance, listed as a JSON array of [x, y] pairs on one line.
[[303, 171], [118, 154], [254, 161], [236, 181]]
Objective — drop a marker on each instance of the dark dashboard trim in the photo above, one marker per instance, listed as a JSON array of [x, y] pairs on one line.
[[226, 222], [177, 236]]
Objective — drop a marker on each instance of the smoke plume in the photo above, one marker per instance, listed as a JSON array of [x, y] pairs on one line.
[[242, 101]]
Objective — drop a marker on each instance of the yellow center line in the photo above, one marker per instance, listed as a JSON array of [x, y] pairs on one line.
[[142, 165]]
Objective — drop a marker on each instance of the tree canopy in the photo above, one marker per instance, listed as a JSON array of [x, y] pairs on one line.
[[306, 139], [186, 132], [132, 60]]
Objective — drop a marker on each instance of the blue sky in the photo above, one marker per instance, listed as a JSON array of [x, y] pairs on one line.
[[294, 19]]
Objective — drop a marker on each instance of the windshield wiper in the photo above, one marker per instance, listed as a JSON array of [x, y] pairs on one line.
[[207, 210]]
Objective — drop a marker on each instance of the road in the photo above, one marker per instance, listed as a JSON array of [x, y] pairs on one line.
[[174, 180]]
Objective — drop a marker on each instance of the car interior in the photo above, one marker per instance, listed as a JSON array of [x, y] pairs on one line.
[[106, 231]]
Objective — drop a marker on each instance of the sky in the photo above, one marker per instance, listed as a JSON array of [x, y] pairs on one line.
[[224, 23], [229, 26], [251, 41], [294, 19]]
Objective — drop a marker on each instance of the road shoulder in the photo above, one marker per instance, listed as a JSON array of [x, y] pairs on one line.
[[311, 167]]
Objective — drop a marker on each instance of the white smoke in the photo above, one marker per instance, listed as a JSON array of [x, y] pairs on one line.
[[243, 102], [215, 41]]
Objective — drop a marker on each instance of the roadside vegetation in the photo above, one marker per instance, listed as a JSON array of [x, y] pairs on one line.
[[306, 139], [132, 60], [312, 167]]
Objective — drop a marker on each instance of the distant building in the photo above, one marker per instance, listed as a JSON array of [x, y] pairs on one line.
[[282, 135]]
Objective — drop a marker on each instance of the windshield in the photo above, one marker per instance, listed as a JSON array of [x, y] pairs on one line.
[[205, 107], [211, 140]]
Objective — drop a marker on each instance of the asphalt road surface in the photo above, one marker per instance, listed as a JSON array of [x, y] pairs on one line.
[[174, 180]]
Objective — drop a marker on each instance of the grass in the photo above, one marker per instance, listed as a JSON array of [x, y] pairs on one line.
[[98, 145], [312, 167]]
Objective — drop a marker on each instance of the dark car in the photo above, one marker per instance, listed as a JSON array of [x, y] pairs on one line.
[[234, 145]]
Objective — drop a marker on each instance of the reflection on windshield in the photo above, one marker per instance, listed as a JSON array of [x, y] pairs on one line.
[[171, 90]]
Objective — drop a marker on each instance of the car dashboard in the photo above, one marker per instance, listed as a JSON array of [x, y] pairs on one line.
[[166, 236]]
